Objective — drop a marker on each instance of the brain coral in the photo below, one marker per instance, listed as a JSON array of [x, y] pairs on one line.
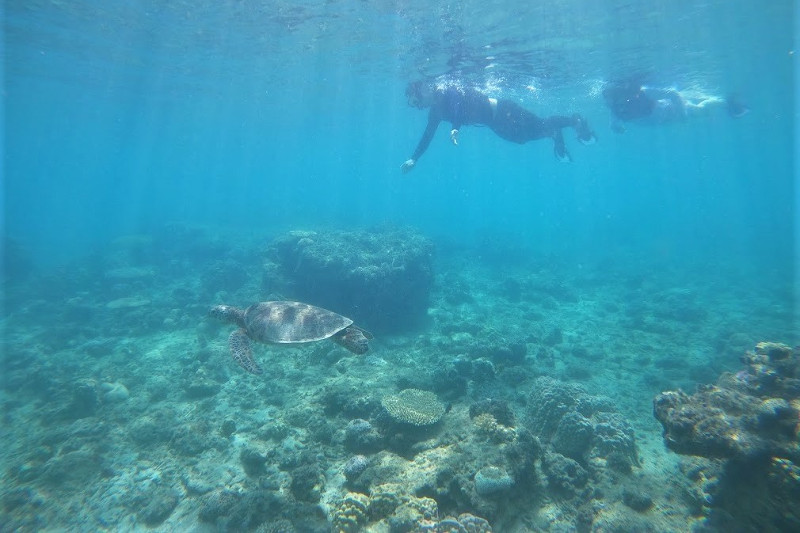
[[414, 406]]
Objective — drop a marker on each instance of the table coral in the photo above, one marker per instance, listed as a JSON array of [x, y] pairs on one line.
[[415, 407]]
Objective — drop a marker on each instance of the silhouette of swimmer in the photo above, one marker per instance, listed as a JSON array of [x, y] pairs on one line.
[[631, 101], [508, 120]]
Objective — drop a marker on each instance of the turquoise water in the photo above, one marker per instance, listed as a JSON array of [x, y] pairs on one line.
[[251, 117], [153, 152]]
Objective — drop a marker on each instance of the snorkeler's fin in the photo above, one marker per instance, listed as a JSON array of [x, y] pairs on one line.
[[585, 133], [560, 149], [736, 107]]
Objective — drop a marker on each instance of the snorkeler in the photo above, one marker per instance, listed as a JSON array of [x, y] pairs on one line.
[[630, 101], [508, 120]]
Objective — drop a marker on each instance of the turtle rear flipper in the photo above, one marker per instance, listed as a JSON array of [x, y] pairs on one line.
[[354, 339], [239, 344]]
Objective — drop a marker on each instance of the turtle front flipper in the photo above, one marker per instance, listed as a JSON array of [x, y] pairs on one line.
[[354, 339], [239, 344]]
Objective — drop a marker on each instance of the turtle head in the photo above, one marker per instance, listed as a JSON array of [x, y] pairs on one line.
[[227, 313]]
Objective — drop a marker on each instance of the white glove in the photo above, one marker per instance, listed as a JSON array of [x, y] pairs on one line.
[[454, 137], [408, 165]]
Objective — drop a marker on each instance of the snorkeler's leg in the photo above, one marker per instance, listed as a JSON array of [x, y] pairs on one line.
[[576, 121], [582, 129]]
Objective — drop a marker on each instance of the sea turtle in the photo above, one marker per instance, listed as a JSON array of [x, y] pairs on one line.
[[286, 323]]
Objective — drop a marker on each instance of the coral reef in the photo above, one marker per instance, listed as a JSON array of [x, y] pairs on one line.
[[132, 414], [413, 406], [750, 420], [399, 513], [381, 279]]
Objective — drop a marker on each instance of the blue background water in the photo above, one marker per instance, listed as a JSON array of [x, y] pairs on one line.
[[254, 117]]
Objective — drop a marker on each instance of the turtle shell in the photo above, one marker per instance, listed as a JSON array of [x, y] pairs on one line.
[[287, 322]]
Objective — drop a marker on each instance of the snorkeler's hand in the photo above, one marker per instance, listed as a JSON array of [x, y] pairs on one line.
[[454, 137], [408, 165]]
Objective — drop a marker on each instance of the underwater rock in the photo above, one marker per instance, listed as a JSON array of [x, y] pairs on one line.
[[307, 482], [85, 400], [487, 427], [636, 500], [384, 499], [413, 515], [522, 455], [128, 302], [151, 430], [201, 388], [573, 437], [354, 467], [360, 436], [228, 428], [191, 440], [492, 479], [218, 504], [564, 475], [114, 392], [381, 278], [473, 524], [72, 470], [161, 501], [224, 275], [281, 525], [252, 461], [229, 510]]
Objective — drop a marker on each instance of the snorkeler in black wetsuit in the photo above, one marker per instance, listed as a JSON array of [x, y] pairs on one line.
[[508, 120], [630, 101]]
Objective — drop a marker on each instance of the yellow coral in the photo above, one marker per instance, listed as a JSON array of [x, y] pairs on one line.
[[351, 513], [487, 426], [384, 499]]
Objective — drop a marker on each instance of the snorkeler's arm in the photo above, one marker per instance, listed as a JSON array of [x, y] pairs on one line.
[[433, 123]]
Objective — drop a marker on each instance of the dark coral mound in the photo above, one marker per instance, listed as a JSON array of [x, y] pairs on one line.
[[581, 426], [750, 420], [381, 279], [753, 413]]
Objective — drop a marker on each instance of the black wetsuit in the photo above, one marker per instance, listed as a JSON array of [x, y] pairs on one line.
[[628, 101], [508, 120]]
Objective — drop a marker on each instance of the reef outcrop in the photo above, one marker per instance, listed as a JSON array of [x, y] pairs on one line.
[[753, 413], [748, 426], [380, 278]]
